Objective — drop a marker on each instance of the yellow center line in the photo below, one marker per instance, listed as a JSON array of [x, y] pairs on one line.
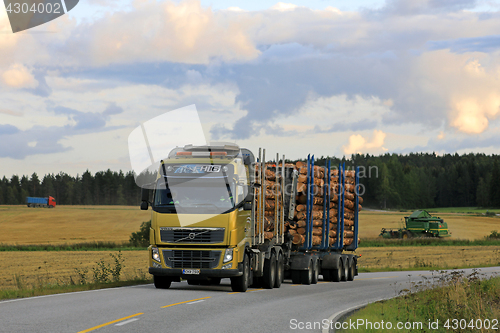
[[295, 285], [257, 289], [234, 293], [166, 306], [111, 322], [323, 282]]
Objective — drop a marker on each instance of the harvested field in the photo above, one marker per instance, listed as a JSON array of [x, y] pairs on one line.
[[32, 269], [69, 224], [374, 258], [462, 226]]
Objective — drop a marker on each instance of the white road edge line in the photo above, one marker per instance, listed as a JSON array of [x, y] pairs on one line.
[[201, 300], [126, 322], [337, 315], [72, 293]]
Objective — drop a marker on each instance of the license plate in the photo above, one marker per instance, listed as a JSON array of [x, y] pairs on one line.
[[190, 271]]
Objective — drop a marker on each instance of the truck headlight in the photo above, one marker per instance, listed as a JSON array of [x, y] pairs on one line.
[[228, 256], [156, 254]]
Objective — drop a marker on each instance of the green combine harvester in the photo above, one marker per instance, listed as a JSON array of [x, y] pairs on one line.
[[419, 224]]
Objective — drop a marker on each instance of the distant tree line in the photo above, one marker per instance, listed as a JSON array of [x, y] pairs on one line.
[[423, 180], [103, 188], [416, 180]]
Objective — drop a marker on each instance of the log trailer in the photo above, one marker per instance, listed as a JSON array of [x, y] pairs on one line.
[[49, 202], [202, 231]]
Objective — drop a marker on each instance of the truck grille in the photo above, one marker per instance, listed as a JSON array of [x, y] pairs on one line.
[[191, 258], [192, 235]]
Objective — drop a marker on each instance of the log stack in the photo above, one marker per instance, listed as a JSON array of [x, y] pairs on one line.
[[298, 229]]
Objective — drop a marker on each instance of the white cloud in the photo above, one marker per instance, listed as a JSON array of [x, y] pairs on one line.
[[18, 76], [359, 144]]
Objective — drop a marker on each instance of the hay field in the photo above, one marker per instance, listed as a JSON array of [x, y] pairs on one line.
[[462, 226], [424, 257], [69, 224], [35, 268], [41, 267]]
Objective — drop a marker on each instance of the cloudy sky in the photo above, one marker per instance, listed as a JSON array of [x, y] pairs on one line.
[[309, 76]]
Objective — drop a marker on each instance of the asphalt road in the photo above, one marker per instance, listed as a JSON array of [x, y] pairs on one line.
[[185, 308]]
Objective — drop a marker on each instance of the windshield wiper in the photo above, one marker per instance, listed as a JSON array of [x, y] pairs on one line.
[[191, 236]]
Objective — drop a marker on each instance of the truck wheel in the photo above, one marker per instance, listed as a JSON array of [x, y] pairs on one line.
[[337, 272], [327, 274], [315, 272], [351, 270], [240, 283], [269, 272], [161, 282], [307, 276], [280, 270], [296, 277], [345, 269]]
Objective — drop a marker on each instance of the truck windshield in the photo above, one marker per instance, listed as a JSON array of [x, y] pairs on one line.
[[194, 197]]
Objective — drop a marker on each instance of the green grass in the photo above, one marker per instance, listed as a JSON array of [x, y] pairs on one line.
[[384, 242], [454, 296], [58, 288], [86, 246]]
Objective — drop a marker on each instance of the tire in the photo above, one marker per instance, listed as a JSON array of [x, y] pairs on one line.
[[161, 282], [193, 282], [280, 271], [296, 277], [351, 270], [327, 274], [269, 277], [337, 272], [345, 264], [240, 283], [406, 235], [306, 276], [315, 272]]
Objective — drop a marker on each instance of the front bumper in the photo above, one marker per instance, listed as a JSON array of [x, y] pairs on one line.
[[177, 272]]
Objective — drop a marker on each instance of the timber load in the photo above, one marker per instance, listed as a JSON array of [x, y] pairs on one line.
[[317, 200]]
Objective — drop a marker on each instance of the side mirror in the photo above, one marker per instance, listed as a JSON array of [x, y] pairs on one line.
[[145, 193], [144, 205]]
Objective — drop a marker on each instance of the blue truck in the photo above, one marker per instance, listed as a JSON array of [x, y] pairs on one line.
[[49, 202]]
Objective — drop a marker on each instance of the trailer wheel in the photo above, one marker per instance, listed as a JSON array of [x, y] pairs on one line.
[[337, 272], [296, 277], [327, 274], [345, 269], [161, 282], [351, 271], [269, 277], [280, 270], [240, 283], [315, 272], [306, 276]]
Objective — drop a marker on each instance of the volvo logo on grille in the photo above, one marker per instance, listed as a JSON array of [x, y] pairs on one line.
[[192, 235]]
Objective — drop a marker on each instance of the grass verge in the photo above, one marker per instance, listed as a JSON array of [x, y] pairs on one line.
[[50, 289], [450, 302]]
